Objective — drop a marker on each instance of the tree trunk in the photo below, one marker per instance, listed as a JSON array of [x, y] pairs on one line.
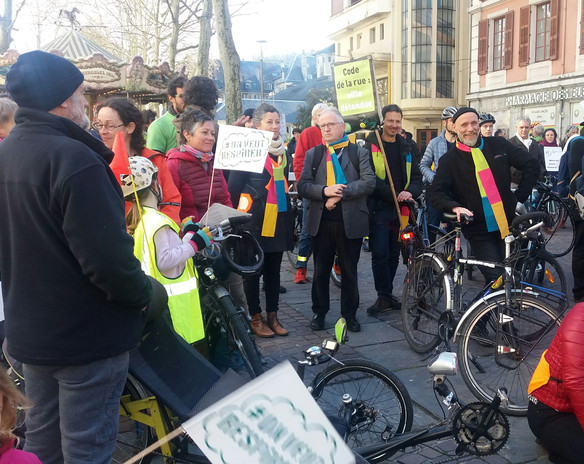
[[229, 60], [202, 68], [172, 48], [6, 27]]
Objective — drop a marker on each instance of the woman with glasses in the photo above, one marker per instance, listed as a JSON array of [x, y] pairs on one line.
[[264, 195], [121, 115]]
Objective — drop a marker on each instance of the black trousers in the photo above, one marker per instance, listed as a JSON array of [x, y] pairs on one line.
[[489, 247], [331, 239], [559, 432], [578, 262], [251, 285]]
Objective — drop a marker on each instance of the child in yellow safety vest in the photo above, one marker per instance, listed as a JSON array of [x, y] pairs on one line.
[[158, 246]]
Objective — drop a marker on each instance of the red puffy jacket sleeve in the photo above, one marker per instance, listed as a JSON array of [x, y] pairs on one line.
[[573, 360], [310, 138]]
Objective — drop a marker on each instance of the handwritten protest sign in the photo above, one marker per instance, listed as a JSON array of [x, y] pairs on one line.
[[356, 93], [242, 148], [272, 419], [552, 158]]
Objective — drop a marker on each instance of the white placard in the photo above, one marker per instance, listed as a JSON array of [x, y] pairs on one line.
[[242, 148], [272, 419], [552, 158]]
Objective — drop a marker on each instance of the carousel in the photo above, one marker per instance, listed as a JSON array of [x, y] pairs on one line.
[[105, 74]]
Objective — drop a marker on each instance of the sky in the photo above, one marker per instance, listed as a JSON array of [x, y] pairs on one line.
[[287, 27]]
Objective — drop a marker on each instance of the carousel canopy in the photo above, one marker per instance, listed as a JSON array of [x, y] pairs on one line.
[[74, 46]]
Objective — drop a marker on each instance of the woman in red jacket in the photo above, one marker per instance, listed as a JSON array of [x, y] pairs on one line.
[[120, 114], [556, 392], [191, 166]]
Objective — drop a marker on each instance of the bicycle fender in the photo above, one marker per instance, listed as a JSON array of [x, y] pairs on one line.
[[443, 267], [485, 299]]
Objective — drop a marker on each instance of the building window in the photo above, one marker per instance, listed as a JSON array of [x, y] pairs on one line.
[[499, 44], [382, 90], [542, 32], [445, 49], [582, 29], [421, 66], [372, 35], [382, 30], [338, 49], [359, 37], [404, 50], [350, 44]]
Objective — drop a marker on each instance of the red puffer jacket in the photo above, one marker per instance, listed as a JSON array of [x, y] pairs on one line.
[[193, 183], [565, 357]]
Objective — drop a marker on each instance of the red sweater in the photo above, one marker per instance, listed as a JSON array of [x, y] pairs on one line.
[[310, 137], [193, 183], [565, 357]]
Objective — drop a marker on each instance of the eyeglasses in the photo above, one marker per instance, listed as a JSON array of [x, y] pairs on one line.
[[108, 127], [329, 125]]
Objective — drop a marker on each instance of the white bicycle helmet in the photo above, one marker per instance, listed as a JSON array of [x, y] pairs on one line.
[[448, 112], [143, 172]]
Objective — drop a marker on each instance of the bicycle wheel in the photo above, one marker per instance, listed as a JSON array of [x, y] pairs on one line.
[[493, 355], [242, 336], [133, 437], [558, 229], [540, 268], [336, 273], [384, 407], [426, 295]]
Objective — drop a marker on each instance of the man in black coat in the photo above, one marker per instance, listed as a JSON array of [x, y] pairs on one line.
[[522, 140], [384, 221], [74, 293], [456, 188], [337, 216]]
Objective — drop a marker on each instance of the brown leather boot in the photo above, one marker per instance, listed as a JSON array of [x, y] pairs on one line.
[[274, 324], [259, 327]]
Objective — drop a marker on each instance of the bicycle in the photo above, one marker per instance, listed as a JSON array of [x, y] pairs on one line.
[[241, 253], [155, 401], [433, 307], [559, 227]]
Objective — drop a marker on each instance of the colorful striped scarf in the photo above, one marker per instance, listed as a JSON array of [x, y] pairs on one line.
[[204, 157], [277, 188], [334, 173], [493, 208]]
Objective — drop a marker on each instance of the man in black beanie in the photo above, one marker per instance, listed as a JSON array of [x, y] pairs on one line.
[[474, 178], [73, 291]]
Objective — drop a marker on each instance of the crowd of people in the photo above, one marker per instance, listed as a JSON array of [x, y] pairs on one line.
[[105, 245]]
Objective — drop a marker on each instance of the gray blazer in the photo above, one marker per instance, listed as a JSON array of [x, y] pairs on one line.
[[354, 203]]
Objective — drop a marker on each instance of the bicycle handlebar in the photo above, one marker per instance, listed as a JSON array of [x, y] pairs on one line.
[[535, 216]]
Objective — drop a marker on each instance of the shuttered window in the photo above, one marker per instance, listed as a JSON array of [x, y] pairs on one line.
[[554, 29], [524, 16], [508, 61]]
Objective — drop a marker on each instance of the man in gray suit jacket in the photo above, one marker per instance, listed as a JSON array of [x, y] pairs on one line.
[[337, 216]]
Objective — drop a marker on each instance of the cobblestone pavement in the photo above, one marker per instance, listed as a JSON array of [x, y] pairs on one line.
[[381, 340]]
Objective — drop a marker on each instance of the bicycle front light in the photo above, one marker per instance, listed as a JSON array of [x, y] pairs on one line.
[[209, 273]]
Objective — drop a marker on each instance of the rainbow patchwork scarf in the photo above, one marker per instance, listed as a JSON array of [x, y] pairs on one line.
[[204, 157], [334, 173], [495, 216], [277, 188]]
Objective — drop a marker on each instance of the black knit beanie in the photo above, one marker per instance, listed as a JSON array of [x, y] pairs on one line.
[[461, 111], [42, 80]]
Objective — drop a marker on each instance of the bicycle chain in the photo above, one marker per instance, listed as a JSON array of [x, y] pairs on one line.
[[476, 437]]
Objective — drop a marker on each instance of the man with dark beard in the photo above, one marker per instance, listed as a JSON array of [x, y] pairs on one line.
[[474, 179]]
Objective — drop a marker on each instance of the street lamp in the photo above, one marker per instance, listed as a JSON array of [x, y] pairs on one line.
[[261, 42]]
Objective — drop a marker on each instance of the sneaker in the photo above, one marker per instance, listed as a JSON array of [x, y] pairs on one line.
[[317, 322], [353, 325], [300, 276]]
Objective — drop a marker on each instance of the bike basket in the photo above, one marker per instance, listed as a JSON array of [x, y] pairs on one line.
[[244, 254]]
